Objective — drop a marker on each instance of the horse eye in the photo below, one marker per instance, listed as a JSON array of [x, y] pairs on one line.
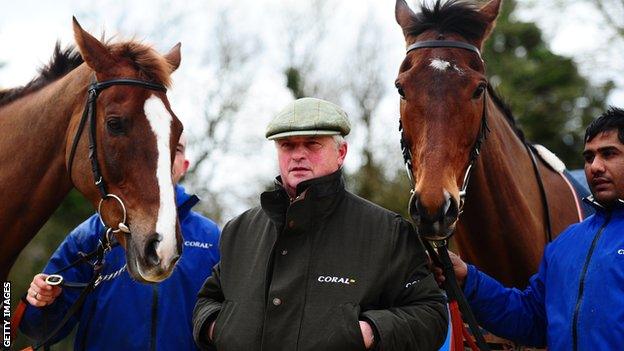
[[115, 125], [400, 90], [479, 91]]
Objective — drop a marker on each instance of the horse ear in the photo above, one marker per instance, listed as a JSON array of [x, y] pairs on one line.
[[490, 12], [174, 56], [404, 15], [94, 53]]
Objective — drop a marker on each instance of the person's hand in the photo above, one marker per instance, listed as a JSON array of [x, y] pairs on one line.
[[460, 267], [211, 330], [40, 293], [367, 334]]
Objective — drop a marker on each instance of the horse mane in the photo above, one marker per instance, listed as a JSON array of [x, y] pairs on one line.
[[61, 63], [453, 16], [506, 109], [150, 65], [463, 18]]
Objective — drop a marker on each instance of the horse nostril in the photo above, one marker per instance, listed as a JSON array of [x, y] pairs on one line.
[[452, 210], [414, 207], [151, 257]]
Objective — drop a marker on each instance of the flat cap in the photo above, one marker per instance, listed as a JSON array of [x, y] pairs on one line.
[[308, 116]]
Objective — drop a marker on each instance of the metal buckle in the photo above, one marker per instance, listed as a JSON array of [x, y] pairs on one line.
[[121, 227], [54, 280]]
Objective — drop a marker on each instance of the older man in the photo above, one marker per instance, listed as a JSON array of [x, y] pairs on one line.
[[574, 301], [316, 267]]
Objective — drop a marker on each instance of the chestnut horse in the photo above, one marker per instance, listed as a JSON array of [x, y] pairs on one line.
[[133, 136], [460, 136]]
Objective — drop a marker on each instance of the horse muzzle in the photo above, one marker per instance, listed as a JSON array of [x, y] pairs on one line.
[[434, 224], [147, 262]]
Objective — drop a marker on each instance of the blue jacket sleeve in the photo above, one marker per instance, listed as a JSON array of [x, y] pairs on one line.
[[509, 312], [39, 321]]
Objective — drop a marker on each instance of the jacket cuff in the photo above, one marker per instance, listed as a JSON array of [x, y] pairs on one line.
[[201, 334], [376, 337], [381, 322], [471, 282]]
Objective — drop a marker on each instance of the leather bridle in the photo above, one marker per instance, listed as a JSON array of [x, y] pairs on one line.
[[90, 113], [483, 130]]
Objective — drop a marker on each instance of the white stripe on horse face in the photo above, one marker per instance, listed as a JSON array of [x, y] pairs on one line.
[[440, 65], [160, 120], [443, 65]]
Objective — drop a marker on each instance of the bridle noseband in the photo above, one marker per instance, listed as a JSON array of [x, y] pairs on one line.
[[483, 130], [90, 113]]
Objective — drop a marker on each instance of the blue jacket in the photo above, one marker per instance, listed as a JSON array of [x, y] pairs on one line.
[[121, 314], [574, 302]]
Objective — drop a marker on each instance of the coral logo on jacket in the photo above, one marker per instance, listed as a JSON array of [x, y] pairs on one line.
[[339, 280], [198, 244]]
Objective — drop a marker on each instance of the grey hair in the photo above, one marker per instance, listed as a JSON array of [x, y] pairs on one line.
[[339, 140]]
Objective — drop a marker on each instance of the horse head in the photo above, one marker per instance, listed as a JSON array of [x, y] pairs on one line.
[[135, 137], [443, 105]]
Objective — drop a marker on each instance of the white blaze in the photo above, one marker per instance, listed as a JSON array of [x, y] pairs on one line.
[[440, 65], [160, 120]]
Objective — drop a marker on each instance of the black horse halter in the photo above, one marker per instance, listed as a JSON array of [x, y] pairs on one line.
[[90, 112], [483, 130]]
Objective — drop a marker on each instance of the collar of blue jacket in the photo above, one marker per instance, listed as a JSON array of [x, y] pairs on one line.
[[616, 210], [184, 201]]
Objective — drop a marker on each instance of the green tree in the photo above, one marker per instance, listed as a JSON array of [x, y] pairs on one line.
[[551, 100]]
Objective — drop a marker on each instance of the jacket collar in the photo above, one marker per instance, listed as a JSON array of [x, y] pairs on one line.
[[322, 191], [184, 201], [616, 210], [319, 187]]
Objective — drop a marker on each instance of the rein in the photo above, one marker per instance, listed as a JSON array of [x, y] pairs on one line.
[[438, 249], [90, 113], [105, 244]]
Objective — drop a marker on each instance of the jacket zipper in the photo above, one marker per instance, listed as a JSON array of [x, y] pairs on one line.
[[154, 317], [582, 284]]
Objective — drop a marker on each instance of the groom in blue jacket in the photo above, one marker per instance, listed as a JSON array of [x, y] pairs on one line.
[[121, 314], [576, 299]]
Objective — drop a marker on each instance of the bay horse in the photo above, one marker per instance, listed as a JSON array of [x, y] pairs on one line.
[[460, 137], [132, 136]]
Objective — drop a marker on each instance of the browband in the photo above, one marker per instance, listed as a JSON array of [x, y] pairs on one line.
[[444, 44]]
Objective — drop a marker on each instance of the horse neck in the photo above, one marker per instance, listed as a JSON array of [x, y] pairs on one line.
[[501, 229], [34, 177]]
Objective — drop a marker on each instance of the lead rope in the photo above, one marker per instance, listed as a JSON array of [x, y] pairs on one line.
[[104, 245], [457, 300]]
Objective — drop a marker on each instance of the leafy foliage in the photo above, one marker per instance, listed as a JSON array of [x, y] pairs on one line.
[[551, 100]]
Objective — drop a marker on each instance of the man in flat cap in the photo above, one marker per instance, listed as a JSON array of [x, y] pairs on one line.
[[316, 267]]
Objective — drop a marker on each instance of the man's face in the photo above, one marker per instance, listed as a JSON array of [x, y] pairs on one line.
[[307, 157], [604, 167], [180, 163]]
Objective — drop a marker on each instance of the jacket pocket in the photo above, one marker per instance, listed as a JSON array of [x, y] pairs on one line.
[[221, 323], [351, 323]]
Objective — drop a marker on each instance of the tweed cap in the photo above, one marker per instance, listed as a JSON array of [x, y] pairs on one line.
[[308, 116]]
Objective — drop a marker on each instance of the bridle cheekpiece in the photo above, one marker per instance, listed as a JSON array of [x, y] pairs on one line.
[[89, 113]]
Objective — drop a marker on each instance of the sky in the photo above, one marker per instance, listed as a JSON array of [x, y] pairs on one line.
[[29, 30]]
